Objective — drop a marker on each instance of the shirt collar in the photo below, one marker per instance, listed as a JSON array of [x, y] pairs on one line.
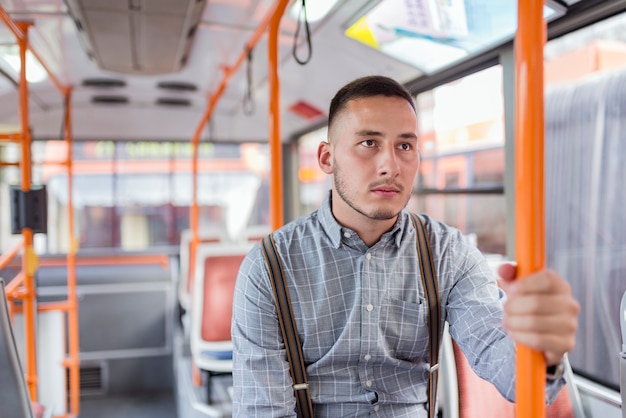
[[334, 230]]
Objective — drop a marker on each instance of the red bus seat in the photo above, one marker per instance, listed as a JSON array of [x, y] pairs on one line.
[[217, 266]]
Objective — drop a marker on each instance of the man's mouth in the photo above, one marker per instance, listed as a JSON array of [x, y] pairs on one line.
[[386, 191]]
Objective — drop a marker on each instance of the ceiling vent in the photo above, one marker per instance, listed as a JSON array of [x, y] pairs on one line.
[[168, 101], [137, 36], [103, 82], [177, 86], [103, 99]]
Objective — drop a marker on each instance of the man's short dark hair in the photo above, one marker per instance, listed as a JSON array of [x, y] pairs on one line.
[[369, 86]]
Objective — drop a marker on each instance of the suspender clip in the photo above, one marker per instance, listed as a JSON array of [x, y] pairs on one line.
[[301, 386], [433, 368]]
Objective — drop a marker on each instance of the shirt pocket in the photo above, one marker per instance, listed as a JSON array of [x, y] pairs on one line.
[[404, 328]]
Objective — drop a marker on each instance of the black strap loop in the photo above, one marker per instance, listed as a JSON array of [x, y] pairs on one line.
[[248, 100], [308, 37]]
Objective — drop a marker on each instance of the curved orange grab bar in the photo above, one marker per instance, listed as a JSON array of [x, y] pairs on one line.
[[271, 19], [275, 142], [11, 287]]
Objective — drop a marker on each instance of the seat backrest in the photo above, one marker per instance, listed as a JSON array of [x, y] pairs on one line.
[[220, 273], [14, 396], [217, 266], [479, 398]]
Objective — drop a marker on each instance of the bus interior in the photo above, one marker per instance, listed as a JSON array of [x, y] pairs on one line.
[[147, 145]]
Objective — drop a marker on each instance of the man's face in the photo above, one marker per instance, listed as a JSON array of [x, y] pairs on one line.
[[373, 157]]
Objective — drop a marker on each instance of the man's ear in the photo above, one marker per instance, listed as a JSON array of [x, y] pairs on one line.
[[324, 157]]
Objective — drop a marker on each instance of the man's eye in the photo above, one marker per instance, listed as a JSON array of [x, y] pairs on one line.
[[405, 146], [368, 143]]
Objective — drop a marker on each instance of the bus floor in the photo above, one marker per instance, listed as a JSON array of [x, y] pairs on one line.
[[184, 401], [191, 400]]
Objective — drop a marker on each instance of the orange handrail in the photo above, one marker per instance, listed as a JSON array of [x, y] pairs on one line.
[[6, 258], [160, 259], [17, 30], [12, 294], [62, 305], [12, 286], [277, 9], [529, 188], [73, 363], [29, 261], [21, 34], [276, 164], [25, 279], [17, 136]]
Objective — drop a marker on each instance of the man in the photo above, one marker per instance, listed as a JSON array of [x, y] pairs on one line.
[[353, 276]]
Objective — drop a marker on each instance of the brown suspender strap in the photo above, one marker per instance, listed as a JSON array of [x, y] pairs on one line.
[[288, 328], [429, 280]]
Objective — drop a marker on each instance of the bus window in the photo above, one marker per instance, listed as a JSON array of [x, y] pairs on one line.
[[137, 196], [585, 218], [461, 132]]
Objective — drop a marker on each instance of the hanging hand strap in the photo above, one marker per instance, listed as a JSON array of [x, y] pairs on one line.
[[288, 328], [429, 280]]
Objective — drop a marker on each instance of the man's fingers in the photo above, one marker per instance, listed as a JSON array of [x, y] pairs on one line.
[[543, 282], [558, 324], [507, 272], [542, 305]]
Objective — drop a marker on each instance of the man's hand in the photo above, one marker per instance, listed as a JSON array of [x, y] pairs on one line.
[[540, 312]]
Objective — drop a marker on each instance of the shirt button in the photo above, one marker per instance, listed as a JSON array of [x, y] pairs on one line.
[[347, 234], [368, 383], [367, 357], [368, 256], [376, 408], [369, 307]]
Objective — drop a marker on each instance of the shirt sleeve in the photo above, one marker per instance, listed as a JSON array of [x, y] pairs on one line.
[[262, 385], [474, 311]]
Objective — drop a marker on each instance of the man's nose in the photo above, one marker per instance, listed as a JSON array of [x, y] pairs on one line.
[[388, 165]]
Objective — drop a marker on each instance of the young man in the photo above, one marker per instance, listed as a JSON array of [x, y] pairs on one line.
[[352, 271]]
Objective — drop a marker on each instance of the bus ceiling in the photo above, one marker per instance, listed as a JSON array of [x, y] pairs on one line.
[[137, 37]]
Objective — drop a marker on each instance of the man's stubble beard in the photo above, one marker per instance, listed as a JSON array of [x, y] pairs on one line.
[[379, 214]]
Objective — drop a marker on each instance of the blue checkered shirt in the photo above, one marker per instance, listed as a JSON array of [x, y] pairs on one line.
[[362, 321]]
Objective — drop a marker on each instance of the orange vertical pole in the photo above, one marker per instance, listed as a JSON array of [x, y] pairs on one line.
[[194, 213], [72, 313], [29, 260], [275, 142], [529, 188]]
